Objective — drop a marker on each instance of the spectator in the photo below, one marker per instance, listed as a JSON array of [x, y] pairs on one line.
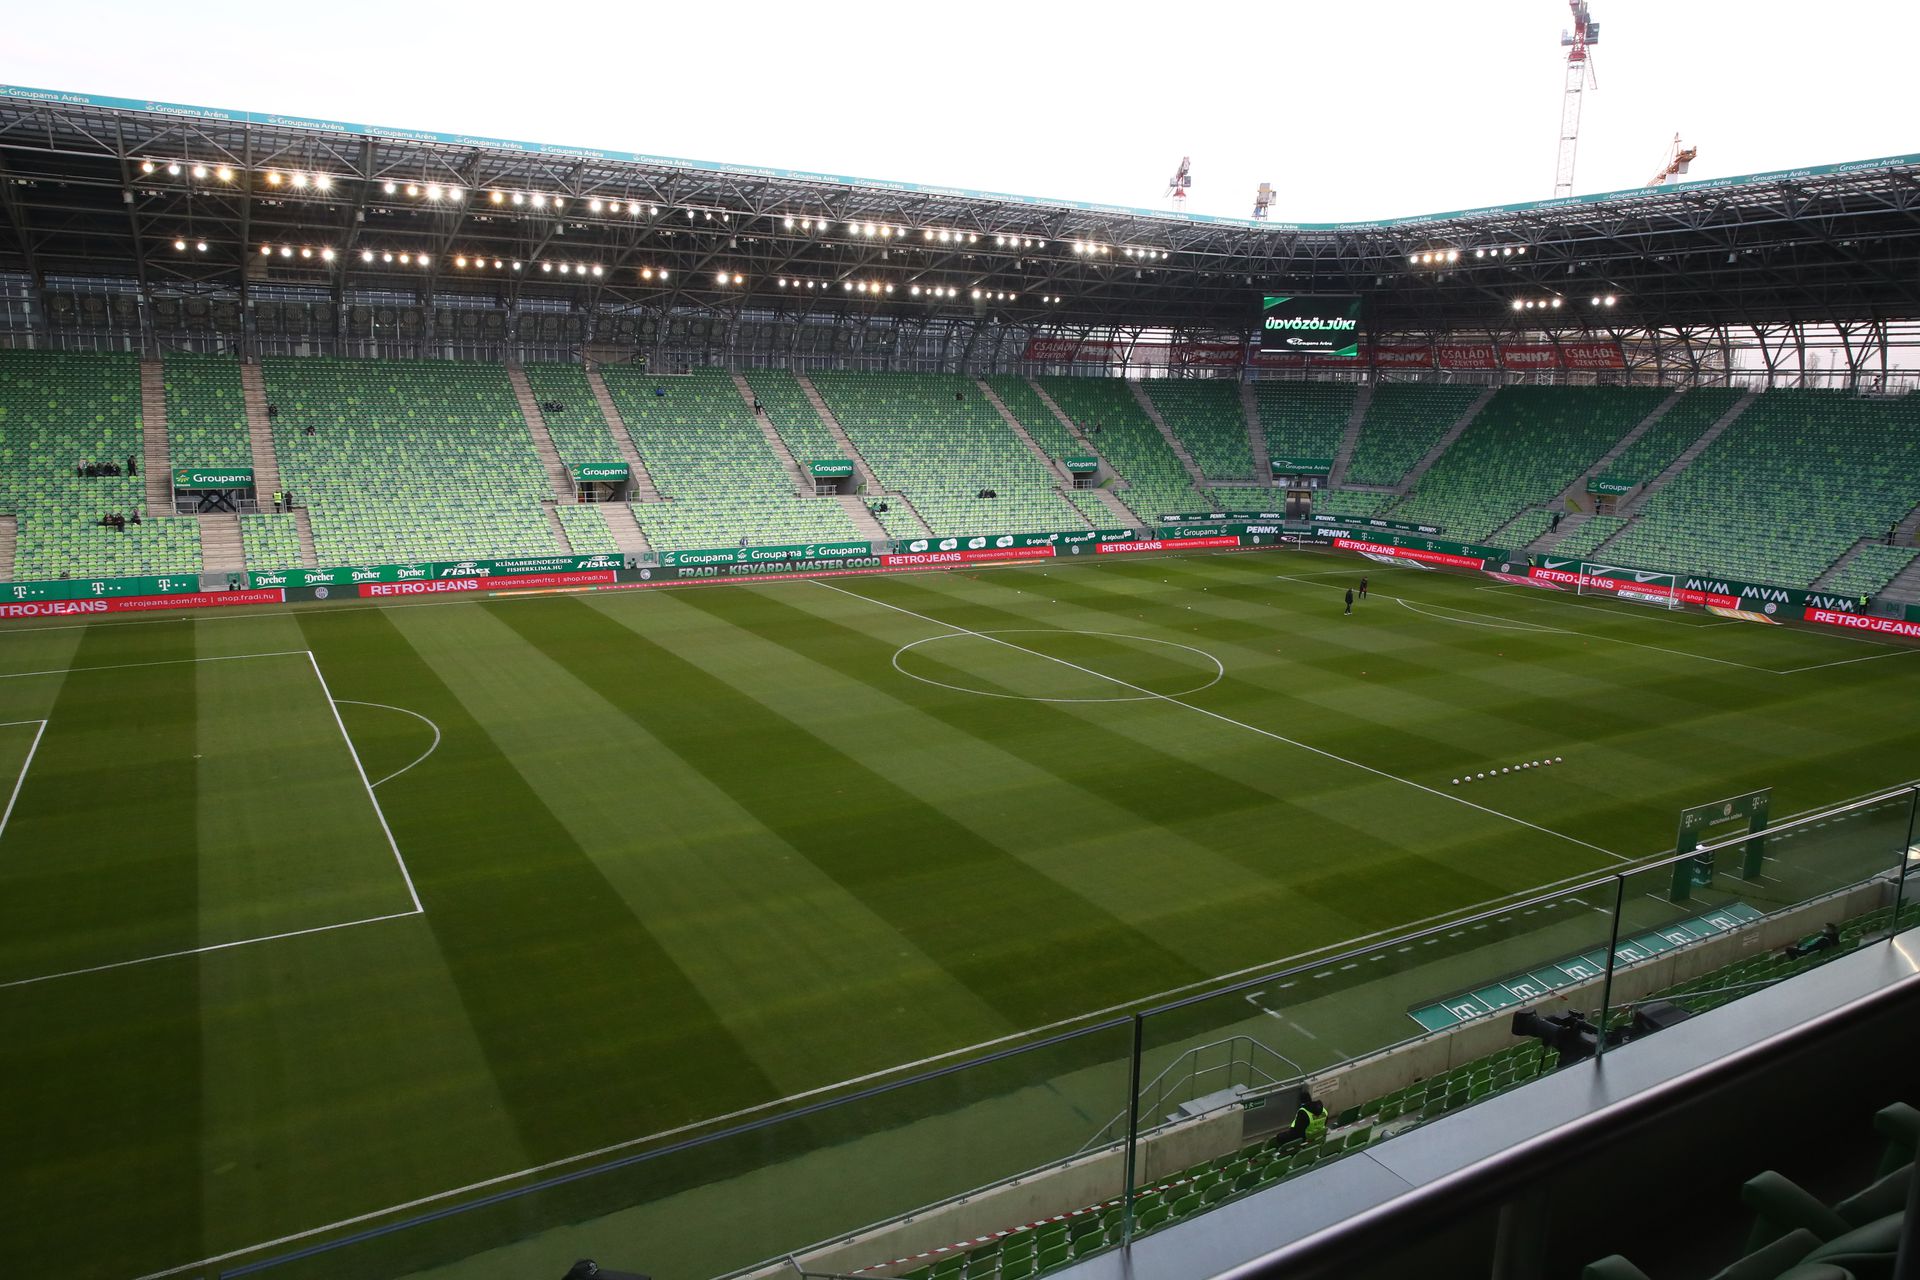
[[1349, 599], [273, 411], [309, 429], [660, 391], [132, 470], [1825, 940], [1309, 1124], [80, 468], [135, 519]]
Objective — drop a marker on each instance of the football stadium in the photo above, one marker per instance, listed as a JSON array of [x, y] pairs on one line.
[[561, 704]]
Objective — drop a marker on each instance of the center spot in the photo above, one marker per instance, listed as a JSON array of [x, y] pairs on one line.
[[1046, 665]]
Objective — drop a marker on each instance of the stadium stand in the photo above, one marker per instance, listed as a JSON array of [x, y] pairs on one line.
[[1025, 404], [1156, 482], [1244, 498], [1872, 569], [271, 541], [1403, 422], [1304, 419], [1525, 447], [936, 439], [1029, 1250], [1668, 438], [1352, 502], [1586, 539], [792, 415], [579, 430], [206, 414], [586, 528], [58, 409], [1790, 486], [407, 459], [1206, 416], [707, 457]]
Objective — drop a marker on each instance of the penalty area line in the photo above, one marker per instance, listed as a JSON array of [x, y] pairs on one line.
[[1229, 720]]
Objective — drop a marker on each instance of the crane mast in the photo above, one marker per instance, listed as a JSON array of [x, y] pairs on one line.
[[1577, 42]]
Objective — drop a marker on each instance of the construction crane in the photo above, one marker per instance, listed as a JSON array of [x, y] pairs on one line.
[[1578, 44], [1177, 185], [1679, 157], [1262, 201]]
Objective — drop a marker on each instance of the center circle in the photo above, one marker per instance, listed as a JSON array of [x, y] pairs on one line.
[[1039, 664]]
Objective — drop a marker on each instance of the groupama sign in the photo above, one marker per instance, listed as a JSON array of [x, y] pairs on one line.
[[213, 477]]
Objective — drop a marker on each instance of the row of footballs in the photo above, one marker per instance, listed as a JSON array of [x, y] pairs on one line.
[[1494, 773]]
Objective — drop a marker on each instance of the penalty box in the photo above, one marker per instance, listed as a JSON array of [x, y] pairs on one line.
[[166, 809]]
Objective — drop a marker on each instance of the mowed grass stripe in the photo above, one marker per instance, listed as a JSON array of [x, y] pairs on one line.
[[1030, 948], [785, 957], [592, 1033], [1401, 815], [1046, 782], [100, 863]]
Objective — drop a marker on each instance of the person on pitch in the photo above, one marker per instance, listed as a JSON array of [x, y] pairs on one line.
[[1349, 599], [1363, 586]]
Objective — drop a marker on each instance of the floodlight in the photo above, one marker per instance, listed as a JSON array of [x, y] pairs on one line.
[[413, 188], [300, 180], [199, 171], [494, 196], [180, 245], [223, 173], [273, 177], [366, 255], [265, 250], [173, 169], [323, 181], [433, 192], [286, 251], [305, 252], [201, 247], [326, 255], [405, 259], [146, 166]]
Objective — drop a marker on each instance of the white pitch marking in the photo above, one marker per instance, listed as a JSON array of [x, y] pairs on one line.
[[21, 781], [1516, 624], [355, 702], [217, 946], [1225, 719], [1871, 657], [164, 662], [360, 769]]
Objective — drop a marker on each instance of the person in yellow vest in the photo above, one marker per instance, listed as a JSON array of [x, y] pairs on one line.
[[278, 498], [1309, 1124]]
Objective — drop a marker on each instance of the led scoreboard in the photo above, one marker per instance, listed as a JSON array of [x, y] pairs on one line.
[[1324, 326]]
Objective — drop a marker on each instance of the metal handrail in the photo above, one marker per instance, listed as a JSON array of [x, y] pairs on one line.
[[1176, 1077]]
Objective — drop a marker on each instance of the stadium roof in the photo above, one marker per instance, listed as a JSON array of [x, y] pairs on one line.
[[103, 188]]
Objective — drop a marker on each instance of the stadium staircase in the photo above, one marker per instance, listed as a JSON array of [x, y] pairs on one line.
[[1053, 466], [1445, 442], [839, 433], [1635, 501], [1156, 481], [154, 456], [266, 462], [1905, 585], [1256, 436], [863, 518], [1343, 454], [1569, 524], [303, 535], [543, 445], [628, 537], [1056, 435], [1194, 474], [9, 538], [558, 527], [802, 482], [1578, 489], [640, 482], [221, 550]]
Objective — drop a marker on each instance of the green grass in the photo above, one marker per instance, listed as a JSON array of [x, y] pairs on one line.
[[682, 853]]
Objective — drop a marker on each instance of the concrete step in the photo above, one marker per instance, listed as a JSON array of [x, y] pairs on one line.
[[901, 502], [1827, 575], [221, 549], [155, 456], [557, 474], [1166, 433], [1256, 435], [868, 482], [1905, 586], [1081, 439], [627, 535], [863, 519], [303, 526], [1053, 465], [1634, 501], [1907, 532], [1572, 521], [266, 462], [9, 540], [1445, 442], [796, 474], [1577, 491], [558, 530], [641, 485], [1124, 516], [1343, 454]]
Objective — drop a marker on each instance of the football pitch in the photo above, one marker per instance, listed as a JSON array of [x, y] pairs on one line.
[[313, 913]]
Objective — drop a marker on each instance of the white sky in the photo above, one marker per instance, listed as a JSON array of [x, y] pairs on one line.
[[1352, 110]]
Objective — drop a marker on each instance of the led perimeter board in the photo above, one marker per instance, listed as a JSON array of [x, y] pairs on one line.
[[1324, 326]]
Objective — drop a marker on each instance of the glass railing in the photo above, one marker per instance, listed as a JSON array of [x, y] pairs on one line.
[[1027, 1154]]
